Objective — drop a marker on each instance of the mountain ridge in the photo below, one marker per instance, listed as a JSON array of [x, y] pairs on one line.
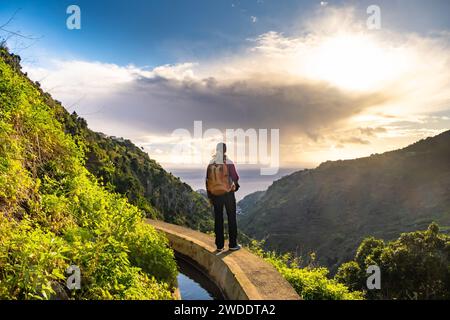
[[331, 208], [54, 213], [125, 168]]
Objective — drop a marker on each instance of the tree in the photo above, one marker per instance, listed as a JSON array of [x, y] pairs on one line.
[[415, 266]]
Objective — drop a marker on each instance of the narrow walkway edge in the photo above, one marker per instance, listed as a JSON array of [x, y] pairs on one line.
[[240, 275]]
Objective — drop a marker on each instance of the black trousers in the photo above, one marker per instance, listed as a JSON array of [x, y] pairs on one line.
[[229, 202]]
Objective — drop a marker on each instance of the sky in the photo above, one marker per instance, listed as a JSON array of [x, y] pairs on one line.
[[313, 70]]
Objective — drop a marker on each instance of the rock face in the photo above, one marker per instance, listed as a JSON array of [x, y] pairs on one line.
[[330, 209]]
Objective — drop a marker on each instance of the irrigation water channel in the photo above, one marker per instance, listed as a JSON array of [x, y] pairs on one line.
[[194, 283]]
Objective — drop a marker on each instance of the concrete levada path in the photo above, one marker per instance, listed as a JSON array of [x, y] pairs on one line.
[[240, 275]]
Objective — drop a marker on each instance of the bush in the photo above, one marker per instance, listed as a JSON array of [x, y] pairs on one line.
[[54, 213], [311, 283], [30, 260], [415, 266]]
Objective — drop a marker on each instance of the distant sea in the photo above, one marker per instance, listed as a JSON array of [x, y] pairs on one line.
[[250, 180]]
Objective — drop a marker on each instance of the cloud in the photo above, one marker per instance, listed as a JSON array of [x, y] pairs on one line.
[[354, 140], [171, 97], [334, 83], [372, 131]]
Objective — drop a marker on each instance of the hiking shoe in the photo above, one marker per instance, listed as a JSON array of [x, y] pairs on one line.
[[235, 248]]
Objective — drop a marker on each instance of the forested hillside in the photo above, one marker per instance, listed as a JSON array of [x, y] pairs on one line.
[[54, 213], [124, 168], [331, 209]]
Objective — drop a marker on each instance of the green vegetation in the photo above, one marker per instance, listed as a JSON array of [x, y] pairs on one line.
[[54, 213], [126, 169], [310, 282], [415, 266], [70, 196], [331, 209]]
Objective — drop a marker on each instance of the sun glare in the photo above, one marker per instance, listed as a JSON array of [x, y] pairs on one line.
[[355, 62]]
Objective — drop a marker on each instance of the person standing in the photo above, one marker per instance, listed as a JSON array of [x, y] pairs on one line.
[[222, 181]]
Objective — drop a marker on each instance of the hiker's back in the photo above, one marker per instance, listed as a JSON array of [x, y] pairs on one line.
[[218, 180]]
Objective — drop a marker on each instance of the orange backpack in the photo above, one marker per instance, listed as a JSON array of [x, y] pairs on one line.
[[218, 180]]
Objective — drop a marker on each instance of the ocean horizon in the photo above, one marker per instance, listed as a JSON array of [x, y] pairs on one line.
[[250, 179]]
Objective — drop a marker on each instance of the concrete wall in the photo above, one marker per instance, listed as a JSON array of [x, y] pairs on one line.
[[240, 274]]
